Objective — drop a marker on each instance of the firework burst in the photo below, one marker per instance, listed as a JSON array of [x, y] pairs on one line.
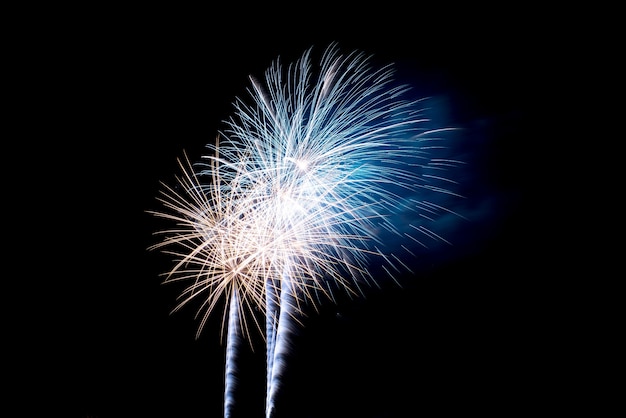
[[302, 184]]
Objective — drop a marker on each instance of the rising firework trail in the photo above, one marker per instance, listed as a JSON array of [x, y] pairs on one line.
[[305, 186]]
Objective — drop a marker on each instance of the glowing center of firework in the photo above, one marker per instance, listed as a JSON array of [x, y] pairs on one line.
[[301, 164], [296, 190], [289, 206]]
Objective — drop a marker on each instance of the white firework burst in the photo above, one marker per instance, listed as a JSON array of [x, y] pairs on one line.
[[303, 183]]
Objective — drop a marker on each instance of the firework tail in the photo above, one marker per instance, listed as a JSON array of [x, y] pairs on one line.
[[284, 331], [233, 343], [272, 311]]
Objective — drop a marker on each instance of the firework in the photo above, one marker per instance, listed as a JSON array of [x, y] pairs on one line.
[[217, 252], [303, 184]]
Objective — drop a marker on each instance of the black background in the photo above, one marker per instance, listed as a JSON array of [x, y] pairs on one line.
[[110, 99]]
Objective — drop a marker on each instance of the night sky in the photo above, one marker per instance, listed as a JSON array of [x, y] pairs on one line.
[[119, 98]]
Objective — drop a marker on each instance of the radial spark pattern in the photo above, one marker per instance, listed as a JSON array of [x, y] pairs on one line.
[[329, 161], [298, 190]]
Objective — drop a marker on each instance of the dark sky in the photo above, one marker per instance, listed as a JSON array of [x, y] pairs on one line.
[[117, 97]]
